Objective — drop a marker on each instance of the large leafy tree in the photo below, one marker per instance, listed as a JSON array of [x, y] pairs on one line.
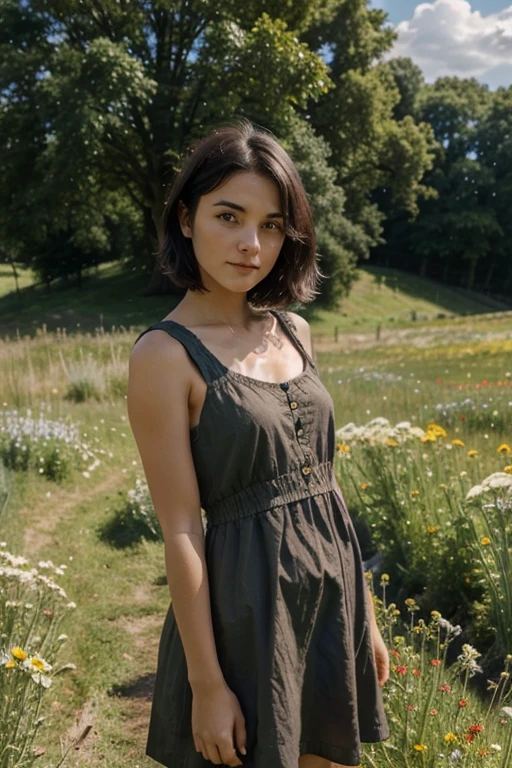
[[113, 92]]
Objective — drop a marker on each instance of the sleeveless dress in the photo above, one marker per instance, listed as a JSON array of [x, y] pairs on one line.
[[289, 600]]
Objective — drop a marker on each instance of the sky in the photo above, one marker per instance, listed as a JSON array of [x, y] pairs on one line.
[[463, 38]]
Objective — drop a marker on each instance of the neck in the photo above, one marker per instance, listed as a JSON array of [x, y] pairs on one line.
[[209, 309]]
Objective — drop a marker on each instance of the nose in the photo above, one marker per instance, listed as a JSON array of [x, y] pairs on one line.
[[249, 242]]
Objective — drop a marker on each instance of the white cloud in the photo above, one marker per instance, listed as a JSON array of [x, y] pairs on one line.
[[446, 37]]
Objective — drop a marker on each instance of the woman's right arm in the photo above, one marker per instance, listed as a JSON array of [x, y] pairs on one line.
[[159, 385]]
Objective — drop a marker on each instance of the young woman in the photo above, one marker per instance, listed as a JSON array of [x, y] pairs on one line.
[[269, 656]]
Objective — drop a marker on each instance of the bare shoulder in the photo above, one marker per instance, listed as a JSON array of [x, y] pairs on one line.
[[157, 345], [303, 330], [158, 369]]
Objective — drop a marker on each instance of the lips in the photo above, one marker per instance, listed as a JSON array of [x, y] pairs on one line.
[[245, 266]]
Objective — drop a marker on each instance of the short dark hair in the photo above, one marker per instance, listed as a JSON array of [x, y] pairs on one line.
[[231, 148]]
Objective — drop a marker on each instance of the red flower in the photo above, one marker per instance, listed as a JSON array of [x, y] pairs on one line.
[[477, 728], [463, 703], [416, 672], [401, 670], [433, 712], [395, 653], [435, 662], [462, 417], [445, 688], [469, 737], [411, 708], [48, 612]]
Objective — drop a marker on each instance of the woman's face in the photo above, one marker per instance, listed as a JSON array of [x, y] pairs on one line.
[[240, 222]]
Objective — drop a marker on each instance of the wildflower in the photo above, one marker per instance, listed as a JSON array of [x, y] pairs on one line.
[[415, 493], [411, 708], [445, 688], [18, 653], [455, 755], [504, 448], [392, 443], [432, 529], [343, 448], [463, 703], [485, 541], [507, 711], [420, 747], [411, 604], [363, 486], [416, 672], [472, 453], [508, 469], [467, 659], [395, 653], [458, 442], [450, 628], [401, 670], [384, 579], [476, 728], [450, 737], [496, 747], [10, 664], [435, 614], [483, 751], [436, 662], [433, 712]]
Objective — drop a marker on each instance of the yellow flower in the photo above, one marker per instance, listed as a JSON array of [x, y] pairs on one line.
[[18, 653], [428, 437], [458, 442], [435, 614], [392, 443], [10, 664], [343, 448], [385, 578], [415, 493], [450, 737], [485, 540], [508, 469], [417, 629], [436, 429], [472, 453], [420, 747], [363, 486], [432, 528], [504, 448], [37, 663]]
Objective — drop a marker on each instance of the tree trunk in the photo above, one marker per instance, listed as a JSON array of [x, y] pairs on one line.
[[470, 277], [488, 277], [446, 270], [159, 284]]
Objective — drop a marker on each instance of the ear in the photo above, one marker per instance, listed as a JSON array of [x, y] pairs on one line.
[[184, 219]]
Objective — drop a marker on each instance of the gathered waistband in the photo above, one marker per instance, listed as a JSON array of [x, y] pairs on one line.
[[269, 494]]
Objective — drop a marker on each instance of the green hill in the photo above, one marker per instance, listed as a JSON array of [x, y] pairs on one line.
[[109, 297]]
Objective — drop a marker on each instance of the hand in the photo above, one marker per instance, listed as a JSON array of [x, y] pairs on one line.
[[381, 655], [217, 721]]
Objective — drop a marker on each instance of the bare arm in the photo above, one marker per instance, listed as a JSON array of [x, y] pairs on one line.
[[158, 390]]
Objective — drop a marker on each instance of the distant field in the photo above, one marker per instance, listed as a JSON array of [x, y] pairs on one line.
[[109, 297]]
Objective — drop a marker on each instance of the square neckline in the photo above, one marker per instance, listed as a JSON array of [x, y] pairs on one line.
[[251, 379]]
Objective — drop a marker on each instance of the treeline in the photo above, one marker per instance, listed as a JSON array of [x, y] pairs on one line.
[[100, 99]]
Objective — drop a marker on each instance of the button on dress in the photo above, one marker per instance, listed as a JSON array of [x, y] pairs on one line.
[[289, 601]]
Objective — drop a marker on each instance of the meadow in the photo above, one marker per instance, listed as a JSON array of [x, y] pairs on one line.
[[424, 458]]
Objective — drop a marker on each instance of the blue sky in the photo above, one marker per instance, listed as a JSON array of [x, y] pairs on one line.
[[466, 38]]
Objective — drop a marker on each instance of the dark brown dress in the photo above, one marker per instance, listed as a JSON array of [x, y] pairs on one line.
[[290, 606]]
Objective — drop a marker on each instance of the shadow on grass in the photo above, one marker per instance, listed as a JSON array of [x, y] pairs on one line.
[[140, 688], [123, 530]]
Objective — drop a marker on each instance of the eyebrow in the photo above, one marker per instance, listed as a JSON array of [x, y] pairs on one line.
[[237, 207]]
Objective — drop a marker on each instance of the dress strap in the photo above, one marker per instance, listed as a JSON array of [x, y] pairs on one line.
[[209, 366], [291, 329]]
